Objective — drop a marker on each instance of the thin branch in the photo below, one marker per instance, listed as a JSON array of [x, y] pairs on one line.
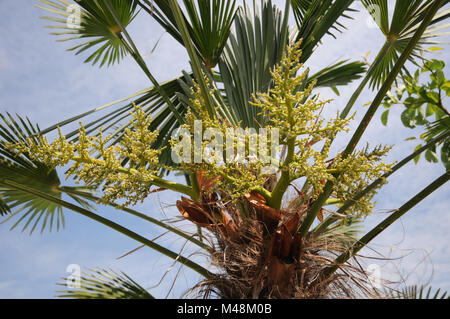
[[125, 231], [383, 225], [343, 209], [131, 48], [138, 214]]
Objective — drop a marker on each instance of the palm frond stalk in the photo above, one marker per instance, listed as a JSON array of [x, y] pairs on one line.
[[383, 225]]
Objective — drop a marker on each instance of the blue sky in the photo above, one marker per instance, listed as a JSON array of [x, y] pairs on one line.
[[38, 78]]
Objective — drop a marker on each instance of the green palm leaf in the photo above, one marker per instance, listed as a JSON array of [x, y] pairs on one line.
[[90, 19], [252, 50], [345, 231], [406, 18], [315, 19], [434, 130], [208, 23], [21, 169], [4, 208], [415, 292], [104, 284], [305, 10]]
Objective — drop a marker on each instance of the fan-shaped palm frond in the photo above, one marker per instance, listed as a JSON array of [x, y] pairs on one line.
[[317, 18], [406, 18], [90, 19], [208, 23], [103, 284], [415, 292], [210, 26], [434, 130], [304, 9], [346, 232], [252, 50], [4, 208]]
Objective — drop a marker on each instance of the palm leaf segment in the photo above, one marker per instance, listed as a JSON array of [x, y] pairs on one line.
[[208, 23], [103, 284], [406, 18], [254, 48], [415, 292], [89, 19]]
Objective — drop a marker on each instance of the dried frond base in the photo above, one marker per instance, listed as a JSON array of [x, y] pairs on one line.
[[259, 253], [247, 271]]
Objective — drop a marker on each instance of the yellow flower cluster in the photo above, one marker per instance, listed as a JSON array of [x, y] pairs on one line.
[[298, 116], [357, 172], [291, 109], [237, 177], [131, 183]]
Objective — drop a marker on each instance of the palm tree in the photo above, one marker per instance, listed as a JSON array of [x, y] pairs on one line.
[[263, 246]]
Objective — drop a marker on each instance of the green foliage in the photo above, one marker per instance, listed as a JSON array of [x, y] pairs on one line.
[[208, 23], [405, 19], [315, 19], [415, 292], [95, 23], [423, 102], [252, 50], [338, 74], [32, 173], [104, 284]]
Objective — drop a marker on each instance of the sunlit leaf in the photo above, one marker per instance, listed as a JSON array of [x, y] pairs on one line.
[[384, 117]]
